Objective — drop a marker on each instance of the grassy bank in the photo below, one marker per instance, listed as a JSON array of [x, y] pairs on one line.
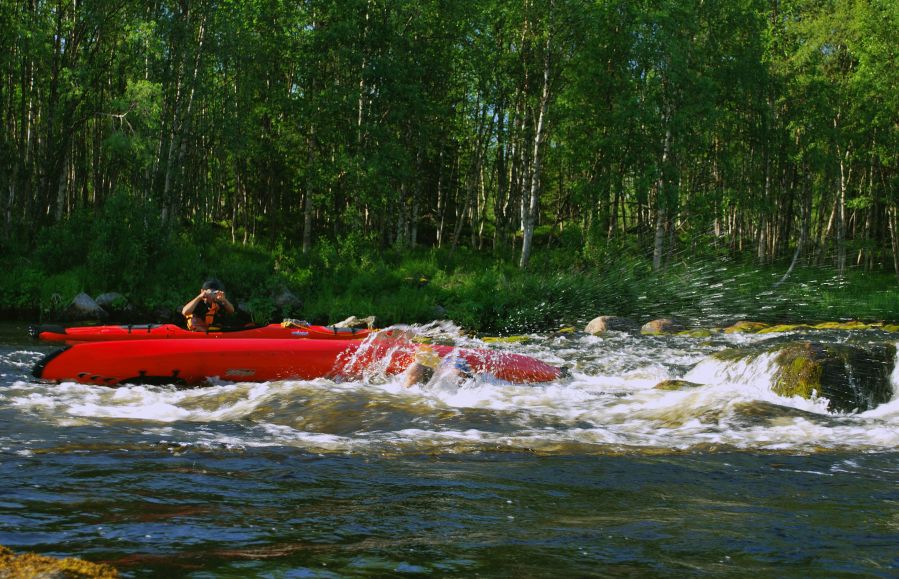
[[479, 291]]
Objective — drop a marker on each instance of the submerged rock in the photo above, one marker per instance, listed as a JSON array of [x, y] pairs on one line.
[[675, 385], [745, 327], [762, 328], [699, 332], [759, 410], [781, 328], [33, 565], [506, 339], [611, 323], [853, 325]]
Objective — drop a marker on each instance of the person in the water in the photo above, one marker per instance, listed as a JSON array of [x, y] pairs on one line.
[[428, 366]]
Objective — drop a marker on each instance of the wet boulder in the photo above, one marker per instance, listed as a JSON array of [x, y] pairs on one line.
[[662, 326], [852, 377], [604, 324], [83, 308]]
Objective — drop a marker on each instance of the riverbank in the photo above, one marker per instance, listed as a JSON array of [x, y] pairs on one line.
[[479, 292]]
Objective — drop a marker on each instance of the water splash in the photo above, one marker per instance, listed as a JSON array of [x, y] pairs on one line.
[[610, 404]]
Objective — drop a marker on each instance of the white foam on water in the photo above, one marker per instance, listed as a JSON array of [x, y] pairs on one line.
[[894, 377], [609, 402]]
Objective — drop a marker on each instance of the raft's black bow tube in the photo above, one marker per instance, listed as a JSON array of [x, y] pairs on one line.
[[38, 370]]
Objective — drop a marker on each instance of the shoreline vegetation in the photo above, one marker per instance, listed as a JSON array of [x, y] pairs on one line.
[[480, 293]]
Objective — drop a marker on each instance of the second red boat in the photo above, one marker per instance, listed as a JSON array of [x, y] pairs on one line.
[[53, 333]]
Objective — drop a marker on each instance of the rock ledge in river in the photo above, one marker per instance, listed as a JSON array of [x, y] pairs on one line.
[[33, 565]]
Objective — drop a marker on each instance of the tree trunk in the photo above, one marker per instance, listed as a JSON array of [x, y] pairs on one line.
[[533, 203], [894, 238], [180, 120], [845, 174], [662, 199], [803, 235]]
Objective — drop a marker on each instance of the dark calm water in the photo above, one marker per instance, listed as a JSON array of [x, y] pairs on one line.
[[599, 475]]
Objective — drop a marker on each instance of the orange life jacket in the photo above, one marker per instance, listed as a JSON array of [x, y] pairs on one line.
[[208, 315]]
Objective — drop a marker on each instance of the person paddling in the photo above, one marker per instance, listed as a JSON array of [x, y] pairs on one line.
[[202, 311]]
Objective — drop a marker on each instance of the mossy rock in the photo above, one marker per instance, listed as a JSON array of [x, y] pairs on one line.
[[800, 371], [673, 385], [892, 328], [780, 328], [854, 325], [851, 378], [662, 326], [506, 339], [33, 565], [745, 327], [699, 332], [566, 330]]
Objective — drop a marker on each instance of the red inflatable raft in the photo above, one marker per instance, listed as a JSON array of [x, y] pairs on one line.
[[171, 331], [190, 362]]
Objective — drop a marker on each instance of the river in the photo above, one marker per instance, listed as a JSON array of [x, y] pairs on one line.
[[599, 475]]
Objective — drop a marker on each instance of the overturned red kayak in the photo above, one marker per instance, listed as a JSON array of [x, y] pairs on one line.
[[53, 333], [190, 362]]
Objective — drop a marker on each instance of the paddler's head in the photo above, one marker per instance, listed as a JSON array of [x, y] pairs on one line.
[[426, 356], [212, 290]]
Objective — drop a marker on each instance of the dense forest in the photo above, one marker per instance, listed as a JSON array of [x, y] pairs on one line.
[[765, 129]]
